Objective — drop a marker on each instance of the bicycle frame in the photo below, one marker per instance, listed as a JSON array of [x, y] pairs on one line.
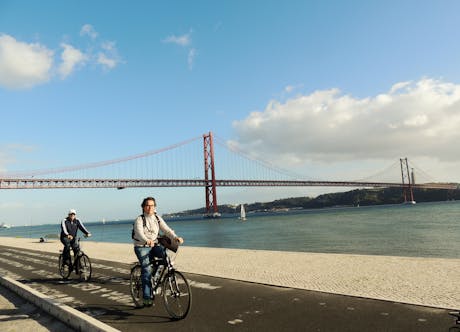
[[79, 263], [175, 289]]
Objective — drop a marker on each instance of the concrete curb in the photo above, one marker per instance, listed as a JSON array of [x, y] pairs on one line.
[[70, 316]]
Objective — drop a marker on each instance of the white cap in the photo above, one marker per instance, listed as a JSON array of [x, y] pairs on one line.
[[72, 211]]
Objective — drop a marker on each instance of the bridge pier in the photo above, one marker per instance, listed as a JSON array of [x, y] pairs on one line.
[[408, 192], [210, 177]]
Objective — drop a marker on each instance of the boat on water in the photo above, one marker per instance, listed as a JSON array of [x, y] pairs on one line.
[[242, 213], [3, 225], [215, 215]]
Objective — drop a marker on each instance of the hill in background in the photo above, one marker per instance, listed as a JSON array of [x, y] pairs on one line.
[[357, 197]]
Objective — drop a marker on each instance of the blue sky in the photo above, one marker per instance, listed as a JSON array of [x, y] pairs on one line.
[[330, 89]]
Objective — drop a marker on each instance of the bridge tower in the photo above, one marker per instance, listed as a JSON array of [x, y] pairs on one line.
[[210, 177], [408, 180]]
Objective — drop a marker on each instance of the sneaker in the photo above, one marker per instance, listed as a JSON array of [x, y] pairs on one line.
[[148, 303]]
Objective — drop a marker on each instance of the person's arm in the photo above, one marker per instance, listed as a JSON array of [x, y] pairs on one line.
[[83, 228], [168, 231], [64, 229]]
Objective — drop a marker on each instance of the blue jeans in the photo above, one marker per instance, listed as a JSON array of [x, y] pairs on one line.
[[144, 255]]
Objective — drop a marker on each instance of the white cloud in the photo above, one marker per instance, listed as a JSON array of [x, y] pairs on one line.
[[191, 57], [183, 40], [108, 63], [88, 30], [414, 119], [109, 57], [23, 65], [71, 58], [289, 88], [186, 42]]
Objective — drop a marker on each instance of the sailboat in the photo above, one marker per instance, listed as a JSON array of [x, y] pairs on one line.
[[242, 213]]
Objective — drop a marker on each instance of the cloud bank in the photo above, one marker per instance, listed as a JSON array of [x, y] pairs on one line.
[[415, 119], [25, 65]]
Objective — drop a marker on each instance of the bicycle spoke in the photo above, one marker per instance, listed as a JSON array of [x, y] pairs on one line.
[[177, 295], [84, 268], [64, 269], [135, 285]]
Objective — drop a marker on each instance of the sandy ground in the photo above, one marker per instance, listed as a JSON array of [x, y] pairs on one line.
[[431, 282]]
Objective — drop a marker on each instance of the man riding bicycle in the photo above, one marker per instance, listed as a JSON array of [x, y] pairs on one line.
[[69, 229]]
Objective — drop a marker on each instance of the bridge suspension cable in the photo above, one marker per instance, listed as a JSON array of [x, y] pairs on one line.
[[95, 164], [263, 164]]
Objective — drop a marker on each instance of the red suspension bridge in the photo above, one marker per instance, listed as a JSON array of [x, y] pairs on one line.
[[110, 176]]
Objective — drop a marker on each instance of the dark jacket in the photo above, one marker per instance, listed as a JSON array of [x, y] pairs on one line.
[[71, 227]]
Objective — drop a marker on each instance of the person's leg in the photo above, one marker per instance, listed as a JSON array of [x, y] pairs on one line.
[[66, 251], [75, 247], [158, 252], [143, 255]]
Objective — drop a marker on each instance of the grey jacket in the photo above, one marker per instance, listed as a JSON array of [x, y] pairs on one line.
[[151, 229]]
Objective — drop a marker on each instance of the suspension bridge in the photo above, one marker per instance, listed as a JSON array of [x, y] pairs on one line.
[[179, 166]]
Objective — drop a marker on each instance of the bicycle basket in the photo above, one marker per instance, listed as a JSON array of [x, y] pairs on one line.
[[168, 244]]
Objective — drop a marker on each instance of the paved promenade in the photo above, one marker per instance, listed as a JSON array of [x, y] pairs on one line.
[[16, 314], [432, 282]]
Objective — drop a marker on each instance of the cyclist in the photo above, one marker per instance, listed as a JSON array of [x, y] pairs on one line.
[[145, 239], [69, 228]]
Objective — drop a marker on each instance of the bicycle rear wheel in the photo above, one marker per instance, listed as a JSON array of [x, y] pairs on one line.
[[84, 268], [64, 269], [135, 286], [177, 295]]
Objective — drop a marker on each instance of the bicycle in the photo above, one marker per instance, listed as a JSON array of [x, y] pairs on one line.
[[81, 264], [167, 281], [456, 327]]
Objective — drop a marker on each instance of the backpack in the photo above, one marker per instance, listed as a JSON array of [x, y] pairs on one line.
[[144, 222]]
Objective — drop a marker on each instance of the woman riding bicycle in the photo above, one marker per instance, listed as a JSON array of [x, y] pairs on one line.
[[69, 229], [145, 239]]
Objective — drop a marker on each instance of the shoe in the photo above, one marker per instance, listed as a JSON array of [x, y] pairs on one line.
[[148, 303]]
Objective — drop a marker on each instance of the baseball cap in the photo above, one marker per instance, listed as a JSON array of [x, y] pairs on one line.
[[72, 211]]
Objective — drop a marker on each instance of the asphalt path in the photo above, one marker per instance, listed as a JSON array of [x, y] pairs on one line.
[[217, 304]]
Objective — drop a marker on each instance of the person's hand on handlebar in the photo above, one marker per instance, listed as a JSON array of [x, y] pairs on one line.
[[88, 235]]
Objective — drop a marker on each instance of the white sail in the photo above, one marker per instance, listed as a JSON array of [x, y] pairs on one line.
[[242, 213]]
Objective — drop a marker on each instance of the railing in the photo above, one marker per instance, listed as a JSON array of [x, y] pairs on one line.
[[137, 183]]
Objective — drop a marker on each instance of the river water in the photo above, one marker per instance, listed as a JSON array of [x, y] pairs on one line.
[[420, 230]]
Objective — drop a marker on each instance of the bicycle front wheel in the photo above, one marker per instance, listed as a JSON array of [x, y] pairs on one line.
[[64, 269], [177, 295], [135, 286], [84, 268]]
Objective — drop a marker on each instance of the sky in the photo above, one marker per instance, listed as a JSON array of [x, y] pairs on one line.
[[328, 89]]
